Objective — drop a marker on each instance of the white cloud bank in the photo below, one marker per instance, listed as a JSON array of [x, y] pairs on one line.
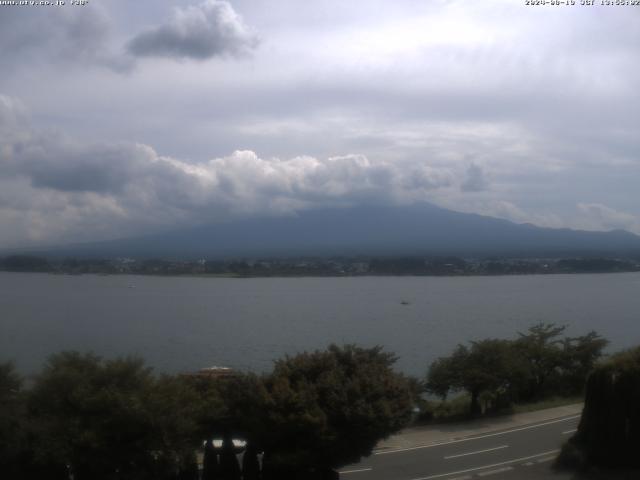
[[595, 216], [55, 188], [474, 107]]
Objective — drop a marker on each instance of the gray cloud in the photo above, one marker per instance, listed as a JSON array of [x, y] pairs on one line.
[[595, 216], [74, 168], [475, 180], [417, 89], [13, 115], [200, 32], [58, 36], [71, 189], [56, 188]]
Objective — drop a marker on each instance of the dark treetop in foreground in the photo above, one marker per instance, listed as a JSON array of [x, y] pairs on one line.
[[108, 420], [609, 430]]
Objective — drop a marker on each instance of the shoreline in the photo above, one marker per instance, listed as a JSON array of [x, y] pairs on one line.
[[303, 275]]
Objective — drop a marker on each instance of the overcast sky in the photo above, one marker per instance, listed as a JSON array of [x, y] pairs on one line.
[[122, 117]]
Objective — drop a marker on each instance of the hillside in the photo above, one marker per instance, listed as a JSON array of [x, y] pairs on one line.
[[422, 229]]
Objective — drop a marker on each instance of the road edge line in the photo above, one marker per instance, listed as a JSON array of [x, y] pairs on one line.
[[507, 462], [478, 437]]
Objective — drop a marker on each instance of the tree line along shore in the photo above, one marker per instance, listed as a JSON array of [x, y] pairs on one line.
[[88, 418], [338, 266]]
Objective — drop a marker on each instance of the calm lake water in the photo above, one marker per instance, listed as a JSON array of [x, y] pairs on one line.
[[180, 324]]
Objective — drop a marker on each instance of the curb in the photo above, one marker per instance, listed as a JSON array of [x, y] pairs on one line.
[[428, 435]]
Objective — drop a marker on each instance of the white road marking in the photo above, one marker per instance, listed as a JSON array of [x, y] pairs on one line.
[[449, 442], [493, 472], [515, 460], [344, 472], [569, 431], [527, 464], [479, 451], [546, 459]]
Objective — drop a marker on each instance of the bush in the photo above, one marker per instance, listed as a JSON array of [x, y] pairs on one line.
[[329, 408], [101, 417], [609, 430], [497, 373], [571, 457]]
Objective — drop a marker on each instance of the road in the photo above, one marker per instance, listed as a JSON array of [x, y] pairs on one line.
[[512, 453]]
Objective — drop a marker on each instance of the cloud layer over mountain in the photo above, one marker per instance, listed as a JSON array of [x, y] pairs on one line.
[[123, 117], [130, 186]]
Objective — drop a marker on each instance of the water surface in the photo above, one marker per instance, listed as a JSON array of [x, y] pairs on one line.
[[184, 323]]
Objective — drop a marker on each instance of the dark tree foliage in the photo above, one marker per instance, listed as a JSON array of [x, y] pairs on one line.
[[541, 349], [229, 465], [329, 408], [95, 413], [174, 409], [444, 375], [111, 419], [234, 406], [12, 422], [537, 364], [398, 266], [583, 265], [97, 419], [188, 467], [580, 355], [250, 463], [485, 366], [25, 263], [609, 430], [209, 462]]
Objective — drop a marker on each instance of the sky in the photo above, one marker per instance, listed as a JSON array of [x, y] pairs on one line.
[[119, 118]]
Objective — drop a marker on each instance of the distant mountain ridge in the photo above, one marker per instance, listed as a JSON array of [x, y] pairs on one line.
[[421, 229]]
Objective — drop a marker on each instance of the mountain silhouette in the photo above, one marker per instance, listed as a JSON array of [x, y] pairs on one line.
[[421, 229]]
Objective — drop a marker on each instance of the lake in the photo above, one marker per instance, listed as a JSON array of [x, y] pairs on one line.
[[185, 323]]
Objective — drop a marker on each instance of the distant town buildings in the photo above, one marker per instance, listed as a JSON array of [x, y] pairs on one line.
[[340, 266]]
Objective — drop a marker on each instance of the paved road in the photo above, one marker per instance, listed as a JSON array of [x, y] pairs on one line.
[[512, 453]]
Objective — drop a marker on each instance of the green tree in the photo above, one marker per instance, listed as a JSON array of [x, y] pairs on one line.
[[235, 406], [329, 408], [112, 419], [537, 363], [445, 374], [174, 409], [487, 367], [541, 350], [580, 355], [92, 415]]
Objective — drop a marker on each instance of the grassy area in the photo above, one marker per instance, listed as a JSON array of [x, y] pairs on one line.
[[453, 409], [544, 404], [457, 408]]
